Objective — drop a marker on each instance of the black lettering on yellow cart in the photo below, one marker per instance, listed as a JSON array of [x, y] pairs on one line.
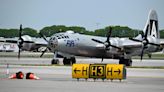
[[115, 71], [80, 71], [97, 71]]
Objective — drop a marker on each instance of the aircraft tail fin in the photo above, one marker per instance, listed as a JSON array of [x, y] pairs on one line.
[[151, 27]]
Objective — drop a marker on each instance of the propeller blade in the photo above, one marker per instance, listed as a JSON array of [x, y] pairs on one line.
[[20, 42], [97, 41], [107, 44], [43, 37], [19, 54], [142, 52], [110, 31], [20, 31], [154, 44], [43, 52], [103, 56], [109, 34], [115, 47]]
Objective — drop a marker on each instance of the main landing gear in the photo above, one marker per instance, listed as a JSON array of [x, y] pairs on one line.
[[127, 62], [66, 61], [55, 61], [69, 61]]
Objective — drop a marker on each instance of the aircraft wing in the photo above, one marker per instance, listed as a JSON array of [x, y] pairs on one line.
[[37, 42], [130, 46], [9, 40], [13, 40], [40, 42]]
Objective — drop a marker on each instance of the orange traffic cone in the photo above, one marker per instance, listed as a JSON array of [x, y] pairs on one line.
[[31, 76], [13, 76], [18, 75]]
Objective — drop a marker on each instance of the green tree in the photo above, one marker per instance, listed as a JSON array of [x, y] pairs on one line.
[[77, 29], [31, 32], [162, 33], [50, 30], [8, 33]]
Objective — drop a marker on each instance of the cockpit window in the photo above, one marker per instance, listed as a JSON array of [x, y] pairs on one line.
[[66, 36], [62, 36]]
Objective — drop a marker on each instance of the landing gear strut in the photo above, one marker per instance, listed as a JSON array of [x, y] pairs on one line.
[[69, 61], [55, 60], [127, 62]]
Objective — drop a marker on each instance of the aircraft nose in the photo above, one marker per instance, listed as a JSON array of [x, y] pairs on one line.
[[53, 42]]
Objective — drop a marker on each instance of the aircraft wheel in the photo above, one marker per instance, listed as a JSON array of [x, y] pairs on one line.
[[127, 62], [121, 61], [73, 60], [66, 61], [55, 61]]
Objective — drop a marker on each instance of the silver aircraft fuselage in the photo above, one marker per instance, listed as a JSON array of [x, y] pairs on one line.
[[82, 45]]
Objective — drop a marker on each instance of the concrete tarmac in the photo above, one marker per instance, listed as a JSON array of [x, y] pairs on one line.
[[47, 61], [59, 79]]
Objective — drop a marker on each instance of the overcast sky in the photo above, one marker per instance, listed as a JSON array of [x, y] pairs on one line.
[[91, 14]]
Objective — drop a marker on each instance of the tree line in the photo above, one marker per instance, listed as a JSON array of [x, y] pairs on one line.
[[117, 31]]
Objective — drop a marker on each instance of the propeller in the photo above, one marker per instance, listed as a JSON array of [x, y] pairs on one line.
[[107, 43], [43, 52], [44, 37], [20, 41], [145, 41]]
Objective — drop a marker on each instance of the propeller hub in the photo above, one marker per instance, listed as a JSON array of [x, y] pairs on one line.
[[107, 44], [20, 41], [145, 42]]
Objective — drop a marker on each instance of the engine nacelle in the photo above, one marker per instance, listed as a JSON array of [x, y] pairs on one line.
[[27, 46]]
